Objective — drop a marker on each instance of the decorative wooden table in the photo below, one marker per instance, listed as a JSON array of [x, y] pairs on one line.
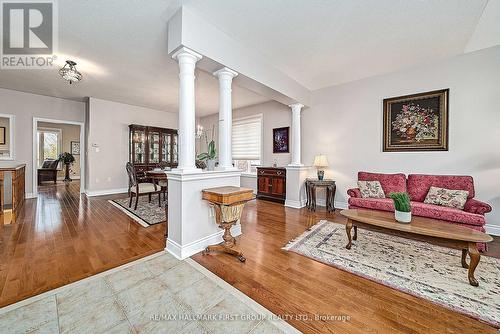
[[228, 203], [312, 184], [423, 229]]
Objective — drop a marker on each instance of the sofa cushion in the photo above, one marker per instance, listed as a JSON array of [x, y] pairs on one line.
[[390, 182], [446, 213], [447, 197], [371, 189], [419, 184], [421, 209], [383, 204]]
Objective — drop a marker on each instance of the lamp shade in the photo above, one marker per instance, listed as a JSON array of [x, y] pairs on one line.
[[320, 161]]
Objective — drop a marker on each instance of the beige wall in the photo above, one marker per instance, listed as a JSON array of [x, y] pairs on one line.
[[25, 106], [345, 123], [69, 133], [108, 141], [275, 115]]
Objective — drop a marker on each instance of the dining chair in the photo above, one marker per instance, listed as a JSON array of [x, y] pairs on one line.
[[138, 189]]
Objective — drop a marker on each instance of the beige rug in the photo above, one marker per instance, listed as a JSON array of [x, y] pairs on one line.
[[423, 270], [147, 214]]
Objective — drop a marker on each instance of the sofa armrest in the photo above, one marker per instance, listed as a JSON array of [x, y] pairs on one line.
[[474, 206], [354, 192]]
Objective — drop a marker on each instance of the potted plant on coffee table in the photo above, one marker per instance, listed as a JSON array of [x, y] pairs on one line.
[[402, 207], [67, 159]]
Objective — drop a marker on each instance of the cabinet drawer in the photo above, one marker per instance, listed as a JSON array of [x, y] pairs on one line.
[[275, 172]]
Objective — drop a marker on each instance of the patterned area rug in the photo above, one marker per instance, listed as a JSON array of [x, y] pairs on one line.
[[147, 214], [423, 270]]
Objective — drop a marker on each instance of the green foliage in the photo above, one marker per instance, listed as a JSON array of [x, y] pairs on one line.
[[401, 201], [67, 158], [211, 154]]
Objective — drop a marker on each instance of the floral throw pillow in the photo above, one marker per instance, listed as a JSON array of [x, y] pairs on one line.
[[446, 197], [371, 189]]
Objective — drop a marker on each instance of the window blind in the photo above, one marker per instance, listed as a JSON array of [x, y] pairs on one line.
[[246, 138]]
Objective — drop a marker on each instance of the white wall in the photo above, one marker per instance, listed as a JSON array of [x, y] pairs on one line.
[[275, 115], [25, 106], [345, 123], [108, 129]]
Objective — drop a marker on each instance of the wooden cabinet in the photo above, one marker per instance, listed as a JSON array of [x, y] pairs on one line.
[[271, 183], [152, 146]]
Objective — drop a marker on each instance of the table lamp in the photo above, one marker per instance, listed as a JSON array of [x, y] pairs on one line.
[[320, 161]]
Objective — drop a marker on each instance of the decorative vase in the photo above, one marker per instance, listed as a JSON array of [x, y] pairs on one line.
[[402, 217], [211, 164], [411, 133], [321, 175]]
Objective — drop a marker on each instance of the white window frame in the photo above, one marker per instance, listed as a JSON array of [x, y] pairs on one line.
[[261, 120], [59, 142]]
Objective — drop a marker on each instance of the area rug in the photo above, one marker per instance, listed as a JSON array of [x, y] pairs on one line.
[[420, 269], [147, 214]]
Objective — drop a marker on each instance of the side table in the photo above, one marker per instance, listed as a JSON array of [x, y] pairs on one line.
[[312, 184]]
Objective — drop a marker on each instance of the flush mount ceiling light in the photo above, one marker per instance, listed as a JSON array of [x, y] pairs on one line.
[[70, 73]]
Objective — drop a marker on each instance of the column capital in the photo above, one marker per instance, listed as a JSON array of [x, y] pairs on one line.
[[186, 52], [225, 72], [296, 106]]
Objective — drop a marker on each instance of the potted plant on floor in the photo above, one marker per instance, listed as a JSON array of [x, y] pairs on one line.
[[67, 159], [402, 207]]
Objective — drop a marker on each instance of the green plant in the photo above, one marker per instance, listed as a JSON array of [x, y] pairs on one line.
[[67, 158], [401, 201], [211, 153]]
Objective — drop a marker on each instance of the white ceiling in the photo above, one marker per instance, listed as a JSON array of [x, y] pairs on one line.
[[121, 49], [120, 46], [320, 43]]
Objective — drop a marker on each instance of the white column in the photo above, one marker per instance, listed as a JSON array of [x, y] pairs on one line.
[[225, 76], [187, 119], [296, 159]]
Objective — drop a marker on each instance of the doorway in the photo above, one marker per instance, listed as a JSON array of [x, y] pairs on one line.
[[53, 139]]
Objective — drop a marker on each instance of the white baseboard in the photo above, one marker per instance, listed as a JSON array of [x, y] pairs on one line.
[[92, 193], [492, 229], [29, 195], [73, 177], [183, 252], [295, 204]]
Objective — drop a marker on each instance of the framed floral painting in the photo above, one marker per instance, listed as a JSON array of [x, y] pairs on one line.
[[280, 140], [417, 122]]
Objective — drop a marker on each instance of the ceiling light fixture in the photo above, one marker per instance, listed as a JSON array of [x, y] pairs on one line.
[[70, 73]]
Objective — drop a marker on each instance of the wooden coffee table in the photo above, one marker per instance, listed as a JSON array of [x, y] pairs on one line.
[[423, 229]]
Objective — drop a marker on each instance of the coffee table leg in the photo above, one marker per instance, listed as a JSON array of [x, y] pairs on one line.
[[464, 259], [355, 237], [474, 260], [348, 228]]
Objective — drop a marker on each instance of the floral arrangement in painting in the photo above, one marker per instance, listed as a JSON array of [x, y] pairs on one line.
[[416, 122]]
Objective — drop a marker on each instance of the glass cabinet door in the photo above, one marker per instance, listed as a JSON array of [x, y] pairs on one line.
[[139, 146], [165, 147], [154, 147], [174, 148]]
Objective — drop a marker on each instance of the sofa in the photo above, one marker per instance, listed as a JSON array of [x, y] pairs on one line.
[[417, 186]]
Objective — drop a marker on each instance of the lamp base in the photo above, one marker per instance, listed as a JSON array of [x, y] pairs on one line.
[[321, 174]]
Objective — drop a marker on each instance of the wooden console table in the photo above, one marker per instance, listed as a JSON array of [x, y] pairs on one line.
[[312, 184], [12, 182], [228, 203]]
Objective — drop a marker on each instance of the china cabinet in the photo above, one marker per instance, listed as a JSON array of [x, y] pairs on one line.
[[271, 183], [151, 145]]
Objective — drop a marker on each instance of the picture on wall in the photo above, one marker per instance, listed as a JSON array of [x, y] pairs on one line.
[[75, 147], [281, 143], [417, 122], [2, 135]]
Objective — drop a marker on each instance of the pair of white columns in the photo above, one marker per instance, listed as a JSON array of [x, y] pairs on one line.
[[187, 117]]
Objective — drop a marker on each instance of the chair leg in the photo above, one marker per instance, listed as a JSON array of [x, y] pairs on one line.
[[149, 195], [136, 201], [159, 199], [130, 201]]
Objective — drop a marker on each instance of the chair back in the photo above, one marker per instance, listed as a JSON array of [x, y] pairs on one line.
[[163, 164], [132, 176]]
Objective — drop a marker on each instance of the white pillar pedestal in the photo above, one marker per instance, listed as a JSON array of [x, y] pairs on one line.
[[187, 119], [225, 76], [295, 188], [296, 154], [191, 222]]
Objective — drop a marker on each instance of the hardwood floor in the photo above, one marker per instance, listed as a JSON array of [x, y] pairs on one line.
[[289, 284], [63, 237]]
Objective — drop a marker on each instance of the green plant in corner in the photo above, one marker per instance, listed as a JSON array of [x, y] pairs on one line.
[[211, 153], [401, 201]]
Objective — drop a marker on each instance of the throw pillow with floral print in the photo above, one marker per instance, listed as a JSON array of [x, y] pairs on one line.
[[371, 189], [447, 197]]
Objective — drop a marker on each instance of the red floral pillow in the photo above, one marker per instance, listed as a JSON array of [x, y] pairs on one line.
[[447, 197]]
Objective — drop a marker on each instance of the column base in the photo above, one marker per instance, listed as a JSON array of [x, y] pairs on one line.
[[187, 170], [228, 168], [295, 165]]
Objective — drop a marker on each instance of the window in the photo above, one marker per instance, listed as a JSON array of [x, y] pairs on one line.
[[49, 144], [247, 143]]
